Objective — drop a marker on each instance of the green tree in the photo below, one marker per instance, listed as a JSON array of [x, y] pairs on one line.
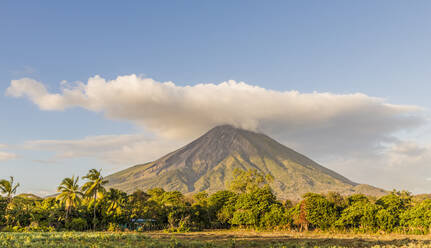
[[277, 216], [250, 207], [218, 201], [386, 221], [8, 188], [116, 200], [139, 196], [139, 205], [221, 206], [200, 208], [46, 212], [361, 215], [247, 181], [417, 219], [319, 211], [393, 206], [173, 198], [201, 198], [356, 198], [337, 199], [20, 211], [70, 194], [93, 187], [394, 203], [3, 210], [156, 195]]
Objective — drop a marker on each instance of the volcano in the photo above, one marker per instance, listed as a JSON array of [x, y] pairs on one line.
[[207, 164]]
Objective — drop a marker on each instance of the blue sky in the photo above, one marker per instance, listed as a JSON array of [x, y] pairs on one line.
[[377, 48]]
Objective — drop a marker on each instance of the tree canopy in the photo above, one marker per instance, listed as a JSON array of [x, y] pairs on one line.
[[249, 203]]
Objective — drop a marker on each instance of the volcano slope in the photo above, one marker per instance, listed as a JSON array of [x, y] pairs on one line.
[[208, 163]]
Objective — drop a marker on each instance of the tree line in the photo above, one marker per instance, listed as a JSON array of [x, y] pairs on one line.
[[248, 203]]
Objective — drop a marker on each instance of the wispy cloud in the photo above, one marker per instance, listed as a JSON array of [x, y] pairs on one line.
[[115, 149], [24, 71], [401, 165], [7, 156]]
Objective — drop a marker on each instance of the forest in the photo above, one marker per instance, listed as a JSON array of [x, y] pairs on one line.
[[84, 204]]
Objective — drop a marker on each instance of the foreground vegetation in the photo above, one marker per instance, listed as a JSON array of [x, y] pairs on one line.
[[249, 203], [207, 239]]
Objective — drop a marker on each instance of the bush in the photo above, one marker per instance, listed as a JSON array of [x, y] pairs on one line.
[[361, 215], [319, 211], [251, 206], [12, 229], [276, 217], [77, 224], [386, 221], [417, 220], [113, 227]]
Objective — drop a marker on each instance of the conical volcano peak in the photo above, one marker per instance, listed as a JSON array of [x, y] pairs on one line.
[[222, 129], [208, 163], [228, 131], [225, 129], [225, 140]]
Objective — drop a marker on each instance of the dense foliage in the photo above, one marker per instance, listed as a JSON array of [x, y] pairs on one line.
[[249, 203]]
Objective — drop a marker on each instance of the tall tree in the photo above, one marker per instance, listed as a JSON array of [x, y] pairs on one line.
[[93, 187], [116, 200], [8, 188], [70, 194], [249, 180]]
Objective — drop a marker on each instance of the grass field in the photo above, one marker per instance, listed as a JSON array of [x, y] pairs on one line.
[[208, 239]]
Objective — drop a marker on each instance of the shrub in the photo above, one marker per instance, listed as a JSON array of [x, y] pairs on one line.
[[113, 227], [251, 206], [417, 220], [77, 224], [386, 221], [277, 216], [319, 211], [360, 215]]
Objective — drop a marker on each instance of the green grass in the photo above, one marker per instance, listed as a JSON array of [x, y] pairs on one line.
[[207, 239]]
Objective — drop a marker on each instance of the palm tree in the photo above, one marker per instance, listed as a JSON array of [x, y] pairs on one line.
[[70, 194], [93, 187], [8, 188], [116, 200]]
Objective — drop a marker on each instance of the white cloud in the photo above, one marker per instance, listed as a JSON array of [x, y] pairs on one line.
[[329, 123], [354, 134], [7, 156], [115, 149], [402, 165]]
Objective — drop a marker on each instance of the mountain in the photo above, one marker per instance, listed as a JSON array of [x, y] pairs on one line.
[[29, 196], [208, 163]]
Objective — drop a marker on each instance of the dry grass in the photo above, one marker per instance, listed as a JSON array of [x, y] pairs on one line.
[[248, 238], [209, 239]]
